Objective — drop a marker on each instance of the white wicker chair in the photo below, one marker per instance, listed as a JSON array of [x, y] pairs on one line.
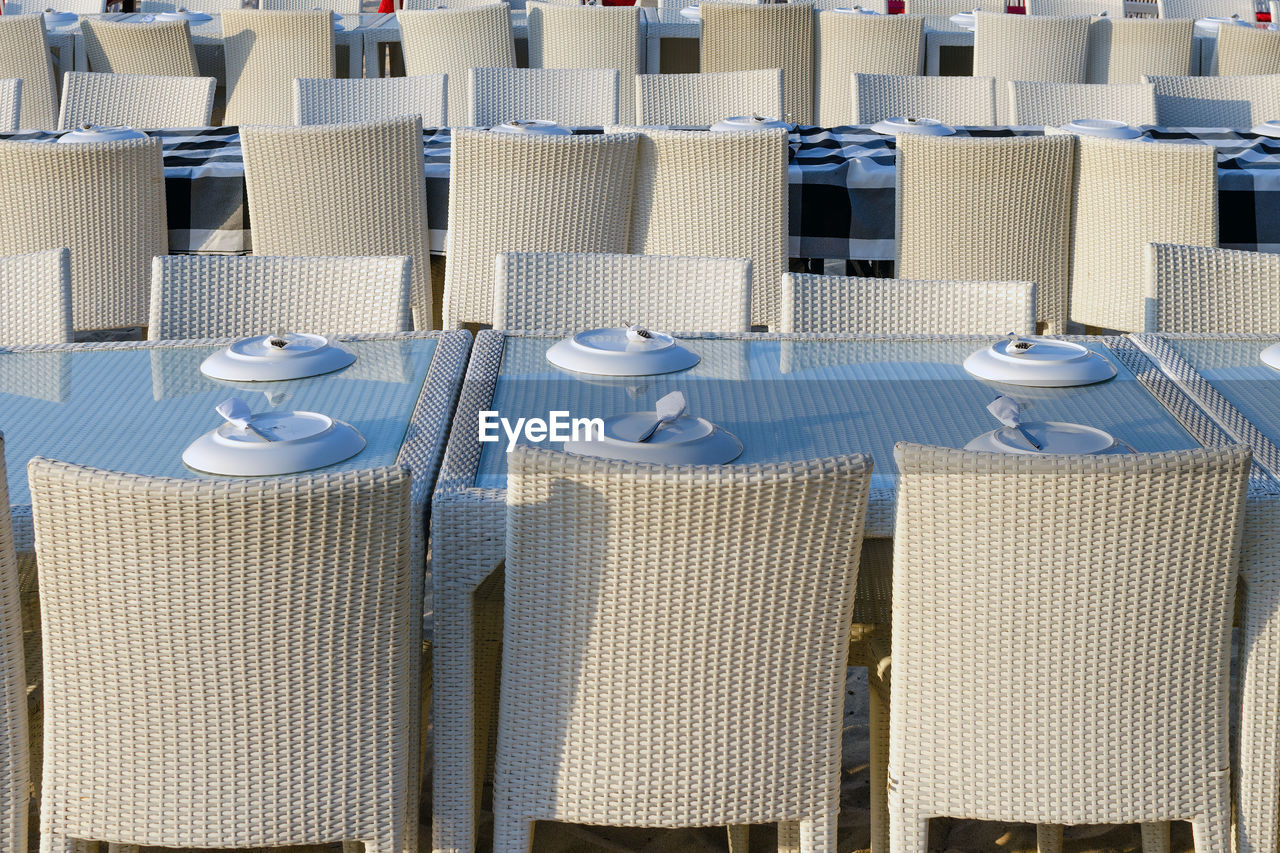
[[1061, 637], [996, 209], [1022, 47], [511, 193], [35, 300], [642, 649], [452, 42], [953, 100], [159, 49], [136, 101], [572, 292], [265, 52], [865, 44], [1244, 50], [578, 97], [1156, 193], [562, 36], [890, 306], [1123, 50], [15, 759], [10, 104], [66, 195], [701, 100], [345, 190], [719, 195], [1068, 8], [195, 296], [24, 55], [80, 7], [880, 7], [1052, 104], [335, 101], [746, 36], [1198, 289], [190, 5], [426, 5], [259, 641], [1207, 9], [1238, 102], [341, 7]]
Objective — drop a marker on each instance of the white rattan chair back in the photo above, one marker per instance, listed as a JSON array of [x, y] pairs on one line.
[[952, 100], [575, 36], [577, 97], [1124, 50], [35, 299], [135, 101], [452, 42], [747, 36], [1205, 290], [1052, 104], [1025, 47], [265, 52], [158, 49], [1238, 102], [1246, 51], [10, 103], [337, 101], [15, 756], [24, 55], [1194, 9], [862, 44], [701, 100]]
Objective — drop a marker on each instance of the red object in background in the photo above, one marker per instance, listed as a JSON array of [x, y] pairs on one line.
[[1264, 17], [897, 7], [387, 6], [1016, 10]]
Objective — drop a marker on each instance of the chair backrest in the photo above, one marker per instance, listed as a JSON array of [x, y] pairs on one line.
[[701, 100], [745, 36], [1058, 103], [337, 101], [159, 49], [452, 42], [192, 6], [1069, 8], [953, 100], [1239, 102], [988, 209], [105, 201], [10, 104], [210, 296], [134, 100], [24, 55], [563, 36], [891, 306], [578, 97], [15, 758], [880, 7], [1245, 50], [265, 52], [1023, 47], [572, 292], [719, 195], [1198, 289], [516, 192], [1124, 50], [80, 7], [862, 44], [247, 599], [343, 189], [1161, 193], [425, 5], [35, 299], [1207, 9], [706, 618], [341, 7], [1041, 568]]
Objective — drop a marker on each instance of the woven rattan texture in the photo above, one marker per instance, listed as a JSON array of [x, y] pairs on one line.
[[1206, 8], [1244, 50], [334, 101], [1060, 651], [884, 306], [24, 55], [1162, 193], [1067, 8], [951, 100], [15, 760], [193, 5], [342, 7], [1022, 47], [988, 210], [1216, 101], [577, 97], [717, 195], [1124, 50], [207, 296], [1195, 289], [1059, 103], [35, 298], [160, 49], [10, 103], [511, 192], [135, 101], [675, 643], [563, 36], [452, 42], [264, 53], [744, 36], [701, 100], [867, 44], [259, 640], [61, 195], [345, 189], [571, 292]]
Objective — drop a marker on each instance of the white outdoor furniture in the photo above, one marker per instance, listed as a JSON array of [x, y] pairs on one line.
[[701, 100], [1060, 103], [1244, 50], [15, 758], [950, 100], [35, 298], [1025, 47], [10, 103], [867, 44], [1207, 9], [745, 36], [342, 7], [452, 42], [24, 54], [335, 101], [1216, 101], [135, 101], [159, 49], [575, 36], [1066, 8], [576, 97], [1125, 50], [1203, 290], [265, 52]]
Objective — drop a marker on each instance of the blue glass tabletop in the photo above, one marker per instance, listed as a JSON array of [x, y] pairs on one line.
[[1235, 371]]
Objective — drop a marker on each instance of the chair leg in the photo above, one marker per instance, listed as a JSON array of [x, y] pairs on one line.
[[511, 834], [819, 835], [739, 838], [1155, 837], [878, 718], [1049, 838], [789, 837]]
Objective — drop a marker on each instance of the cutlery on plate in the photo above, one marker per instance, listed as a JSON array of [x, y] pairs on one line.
[[668, 409]]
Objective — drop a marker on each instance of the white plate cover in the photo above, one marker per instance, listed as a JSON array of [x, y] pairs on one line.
[[733, 124], [1053, 436], [610, 352], [1211, 25], [964, 19], [263, 359], [1271, 356], [688, 440], [1104, 127], [923, 126], [100, 133], [535, 126], [184, 15], [59, 19], [305, 441], [1046, 363], [692, 12], [1267, 128]]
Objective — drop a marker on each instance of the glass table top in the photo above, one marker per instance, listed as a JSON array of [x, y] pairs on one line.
[[1234, 370]]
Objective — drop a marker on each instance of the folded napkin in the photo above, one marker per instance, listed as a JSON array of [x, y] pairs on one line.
[[237, 413], [1006, 410]]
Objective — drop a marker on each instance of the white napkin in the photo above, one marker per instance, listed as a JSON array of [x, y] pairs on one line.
[[1017, 346], [1006, 410], [237, 413], [667, 409], [639, 334]]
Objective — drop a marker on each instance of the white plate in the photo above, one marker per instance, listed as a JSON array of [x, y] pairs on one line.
[[1103, 127], [734, 124], [190, 17], [1045, 363], [609, 352], [1271, 356], [858, 10], [60, 19], [922, 126], [305, 441], [100, 133], [964, 19], [1053, 437], [1211, 25], [535, 126], [693, 13], [262, 359], [688, 440], [1267, 128]]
